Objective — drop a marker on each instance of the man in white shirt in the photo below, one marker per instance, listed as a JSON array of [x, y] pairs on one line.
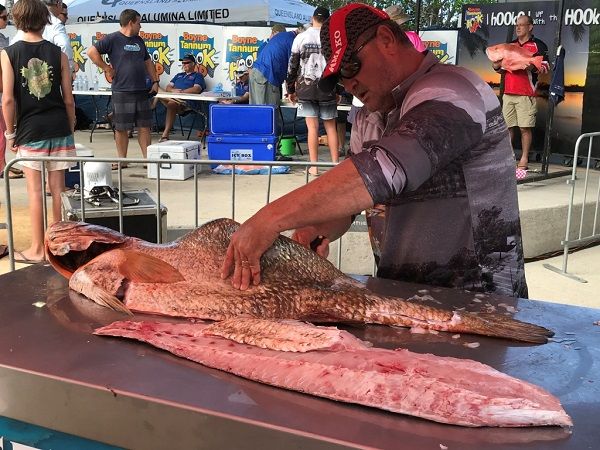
[[55, 31]]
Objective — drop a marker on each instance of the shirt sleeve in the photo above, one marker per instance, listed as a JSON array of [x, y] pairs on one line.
[[437, 128], [293, 66], [103, 45], [61, 38]]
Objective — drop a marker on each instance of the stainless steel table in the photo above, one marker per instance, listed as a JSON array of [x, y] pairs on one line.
[[54, 373]]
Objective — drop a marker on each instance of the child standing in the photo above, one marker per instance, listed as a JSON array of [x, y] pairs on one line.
[[37, 92]]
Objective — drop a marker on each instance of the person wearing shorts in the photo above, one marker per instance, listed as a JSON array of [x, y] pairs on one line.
[[129, 65], [519, 106], [304, 72], [36, 77]]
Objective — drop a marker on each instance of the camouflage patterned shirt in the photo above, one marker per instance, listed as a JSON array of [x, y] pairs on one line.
[[441, 172]]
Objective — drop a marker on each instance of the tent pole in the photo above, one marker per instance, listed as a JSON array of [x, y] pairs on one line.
[[418, 17]]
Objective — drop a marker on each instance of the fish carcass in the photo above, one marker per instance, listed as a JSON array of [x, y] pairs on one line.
[[514, 57], [331, 363], [182, 279]]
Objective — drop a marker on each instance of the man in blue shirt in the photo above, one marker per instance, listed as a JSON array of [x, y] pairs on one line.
[[242, 93], [270, 69], [189, 82]]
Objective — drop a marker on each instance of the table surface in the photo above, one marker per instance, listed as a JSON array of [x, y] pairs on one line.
[[55, 342], [205, 96]]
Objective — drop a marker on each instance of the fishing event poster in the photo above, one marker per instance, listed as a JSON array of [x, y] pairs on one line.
[[205, 43], [487, 25], [241, 48]]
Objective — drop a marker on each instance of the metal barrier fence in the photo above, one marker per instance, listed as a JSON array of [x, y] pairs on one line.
[[158, 162], [581, 239]]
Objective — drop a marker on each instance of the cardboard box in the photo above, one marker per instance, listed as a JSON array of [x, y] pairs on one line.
[[174, 150], [139, 220], [242, 148]]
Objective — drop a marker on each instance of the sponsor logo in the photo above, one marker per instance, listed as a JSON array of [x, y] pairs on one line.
[[473, 18], [79, 55], [203, 49]]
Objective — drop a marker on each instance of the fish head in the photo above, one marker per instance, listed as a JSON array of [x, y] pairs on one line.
[[70, 245], [496, 53]]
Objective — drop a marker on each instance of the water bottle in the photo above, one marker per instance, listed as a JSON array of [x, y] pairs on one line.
[[77, 83], [233, 92], [219, 88], [95, 83], [85, 83]]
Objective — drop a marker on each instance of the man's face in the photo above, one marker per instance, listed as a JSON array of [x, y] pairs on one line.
[[64, 15], [243, 77], [188, 66], [372, 84], [523, 28], [136, 26]]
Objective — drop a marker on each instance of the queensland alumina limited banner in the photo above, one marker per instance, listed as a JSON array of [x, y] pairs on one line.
[[290, 12]]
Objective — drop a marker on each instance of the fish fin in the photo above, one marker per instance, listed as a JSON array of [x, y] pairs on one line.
[[537, 62], [85, 282], [506, 327], [141, 268]]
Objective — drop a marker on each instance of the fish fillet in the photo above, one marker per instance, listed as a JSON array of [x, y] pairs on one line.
[[343, 368]]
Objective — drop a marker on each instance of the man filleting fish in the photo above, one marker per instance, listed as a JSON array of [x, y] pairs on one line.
[[430, 161]]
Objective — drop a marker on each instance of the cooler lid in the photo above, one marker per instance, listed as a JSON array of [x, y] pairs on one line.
[[241, 139], [242, 119], [174, 147]]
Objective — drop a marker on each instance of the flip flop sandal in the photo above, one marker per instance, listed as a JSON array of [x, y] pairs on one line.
[[115, 166], [23, 260], [163, 139]]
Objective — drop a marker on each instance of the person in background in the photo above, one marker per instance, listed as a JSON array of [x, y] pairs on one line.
[[396, 14], [270, 68], [242, 88], [187, 82], [304, 71], [519, 105], [430, 162], [36, 77], [4, 42], [130, 63], [55, 31]]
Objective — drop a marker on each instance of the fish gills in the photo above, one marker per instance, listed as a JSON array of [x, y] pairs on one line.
[[442, 389]]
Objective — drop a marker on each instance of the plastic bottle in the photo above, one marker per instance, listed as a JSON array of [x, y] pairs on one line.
[[96, 83], [233, 92], [76, 83], [85, 84], [219, 88]]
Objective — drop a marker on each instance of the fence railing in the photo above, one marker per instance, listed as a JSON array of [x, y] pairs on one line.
[[159, 231], [583, 238]]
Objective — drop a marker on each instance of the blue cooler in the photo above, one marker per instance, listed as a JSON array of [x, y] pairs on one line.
[[242, 133], [240, 148]]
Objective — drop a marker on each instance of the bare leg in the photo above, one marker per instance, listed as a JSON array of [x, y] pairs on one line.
[[172, 108], [56, 181], [332, 139], [312, 124], [122, 141], [144, 139], [511, 131], [34, 192], [526, 137]]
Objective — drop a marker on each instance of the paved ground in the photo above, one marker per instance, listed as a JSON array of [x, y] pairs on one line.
[[538, 202]]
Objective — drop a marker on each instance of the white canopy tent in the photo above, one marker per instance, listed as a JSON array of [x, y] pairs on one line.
[[229, 12]]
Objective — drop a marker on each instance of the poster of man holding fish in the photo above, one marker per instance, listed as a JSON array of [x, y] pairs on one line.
[[487, 25]]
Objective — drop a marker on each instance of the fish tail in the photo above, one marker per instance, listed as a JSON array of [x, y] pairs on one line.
[[497, 325], [397, 312]]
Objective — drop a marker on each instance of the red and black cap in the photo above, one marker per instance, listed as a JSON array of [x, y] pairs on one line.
[[338, 38]]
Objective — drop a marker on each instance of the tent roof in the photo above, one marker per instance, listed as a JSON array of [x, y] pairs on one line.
[[219, 12]]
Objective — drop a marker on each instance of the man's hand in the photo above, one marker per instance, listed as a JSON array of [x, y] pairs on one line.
[[110, 72], [497, 65], [309, 235], [292, 98], [247, 245]]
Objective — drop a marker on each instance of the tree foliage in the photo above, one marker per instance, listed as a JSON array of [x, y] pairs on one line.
[[434, 14]]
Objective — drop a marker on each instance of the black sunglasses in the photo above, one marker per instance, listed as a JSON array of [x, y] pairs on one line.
[[186, 62], [4, 17], [352, 67]]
